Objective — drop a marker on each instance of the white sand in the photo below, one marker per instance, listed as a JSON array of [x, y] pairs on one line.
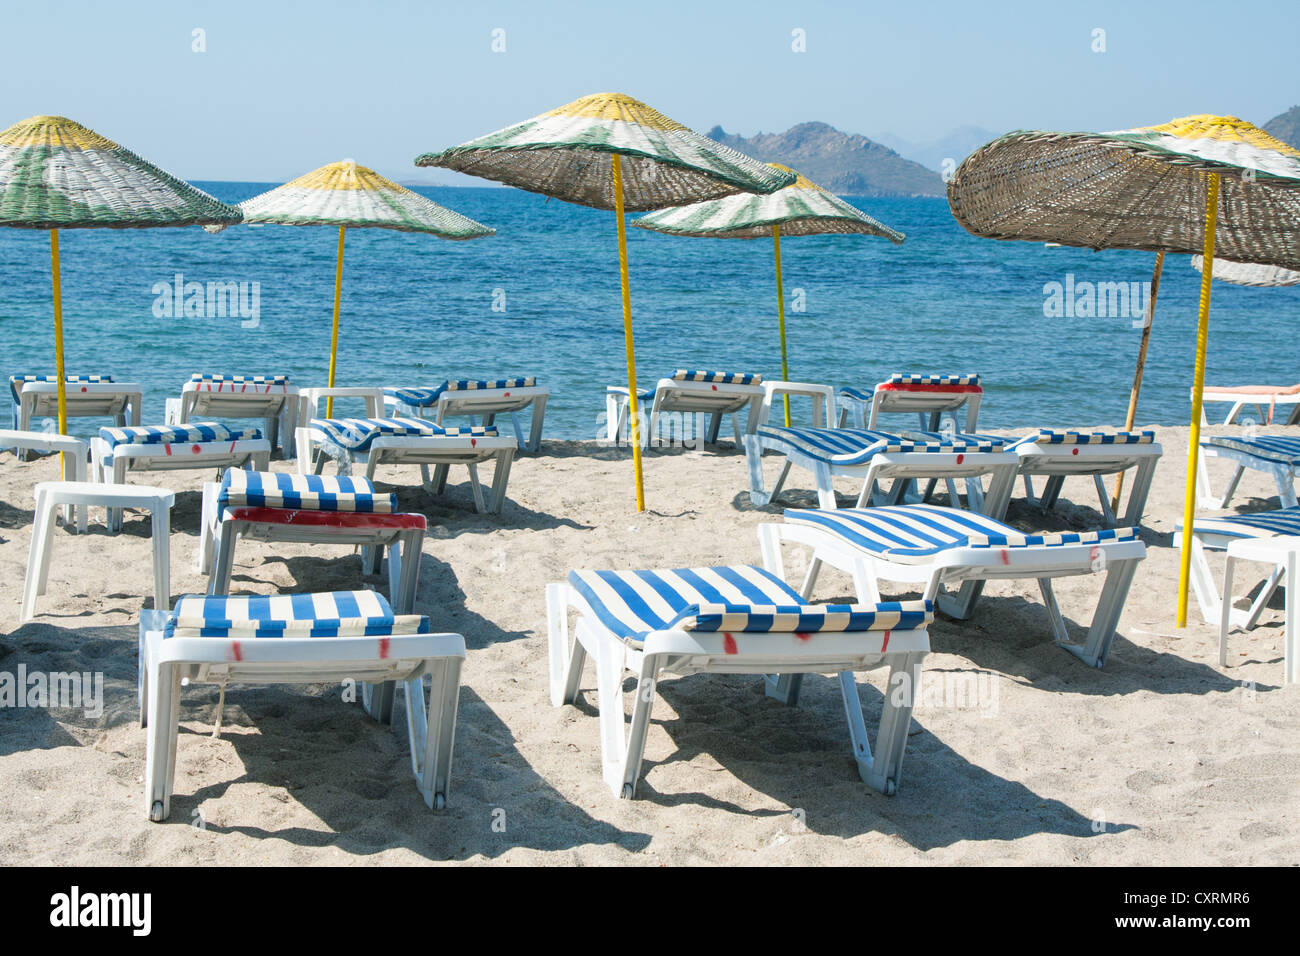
[[1160, 758]]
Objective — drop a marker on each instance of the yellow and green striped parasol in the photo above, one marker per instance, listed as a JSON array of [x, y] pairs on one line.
[[610, 151], [1207, 184], [800, 209], [57, 174], [350, 196]]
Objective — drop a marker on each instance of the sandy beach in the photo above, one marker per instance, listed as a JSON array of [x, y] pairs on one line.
[[1162, 757]]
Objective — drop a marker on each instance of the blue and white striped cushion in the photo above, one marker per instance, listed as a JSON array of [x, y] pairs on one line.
[[331, 614], [263, 489], [633, 604], [857, 394], [1259, 524], [358, 434], [200, 378], [913, 378], [424, 397], [1283, 449], [720, 378], [1075, 436], [918, 531], [857, 446], [16, 382], [176, 434]]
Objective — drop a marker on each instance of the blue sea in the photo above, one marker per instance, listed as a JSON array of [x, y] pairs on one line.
[[542, 298]]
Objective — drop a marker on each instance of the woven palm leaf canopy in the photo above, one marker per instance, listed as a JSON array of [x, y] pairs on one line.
[[800, 209], [350, 196], [57, 174], [610, 151], [1214, 185], [1250, 273]]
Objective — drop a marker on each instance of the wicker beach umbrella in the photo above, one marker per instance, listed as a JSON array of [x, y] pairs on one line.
[[609, 151], [1207, 184], [1250, 273], [800, 209], [351, 196], [56, 174]]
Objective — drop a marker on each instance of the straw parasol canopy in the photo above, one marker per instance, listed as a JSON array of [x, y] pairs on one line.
[[1250, 273], [800, 209], [610, 151], [566, 154], [1207, 184], [1140, 188], [347, 195], [57, 174]]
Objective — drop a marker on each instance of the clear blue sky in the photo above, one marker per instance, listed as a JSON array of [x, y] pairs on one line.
[[285, 87]]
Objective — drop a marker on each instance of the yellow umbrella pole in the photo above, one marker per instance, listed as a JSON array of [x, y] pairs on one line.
[[1141, 366], [780, 311], [1198, 383], [633, 419], [334, 337], [58, 341]]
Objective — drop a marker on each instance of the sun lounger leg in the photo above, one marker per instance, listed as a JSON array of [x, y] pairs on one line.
[[161, 544], [783, 687], [1059, 633], [619, 769], [1114, 592], [566, 660], [38, 560], [378, 700], [1225, 617], [1052, 491], [882, 770], [754, 461], [1137, 496], [535, 432], [825, 490], [500, 478], [961, 605], [476, 487], [432, 729], [164, 690], [223, 567], [1103, 496], [1285, 478], [715, 425]]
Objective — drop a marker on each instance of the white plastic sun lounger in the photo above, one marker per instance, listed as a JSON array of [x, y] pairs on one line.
[[1266, 400], [474, 399], [314, 509], [1215, 534], [296, 639], [929, 397], [697, 392], [1275, 455], [1056, 454], [938, 548], [78, 456], [86, 396], [269, 398], [728, 620], [878, 457], [148, 448], [401, 441]]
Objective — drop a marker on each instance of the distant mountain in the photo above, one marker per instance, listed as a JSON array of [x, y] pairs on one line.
[[1286, 127], [844, 163], [956, 146]]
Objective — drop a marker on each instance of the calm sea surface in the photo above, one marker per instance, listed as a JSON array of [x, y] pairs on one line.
[[418, 310]]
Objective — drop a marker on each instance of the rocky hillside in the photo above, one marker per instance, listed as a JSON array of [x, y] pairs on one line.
[[844, 163], [1286, 127]]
